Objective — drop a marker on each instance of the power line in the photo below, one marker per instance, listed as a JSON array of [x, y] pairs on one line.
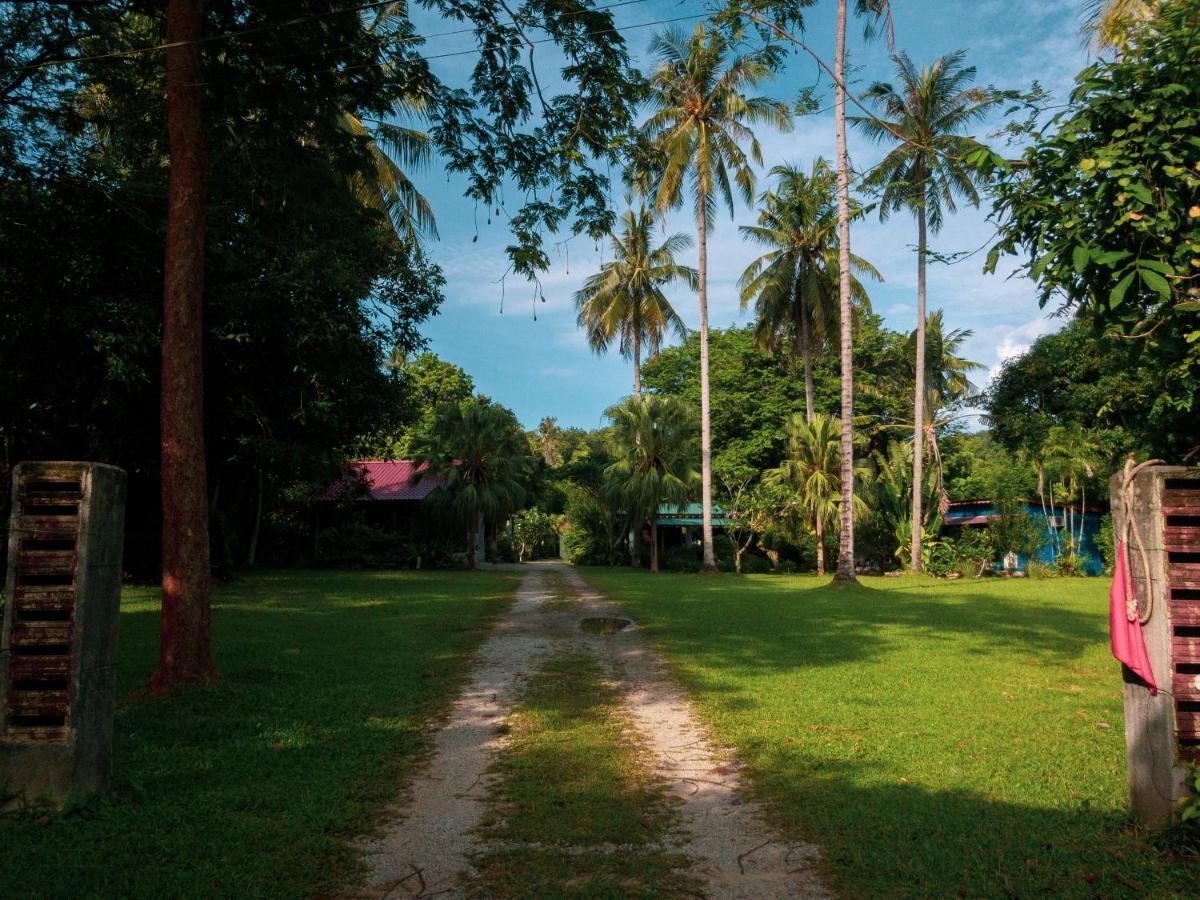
[[265, 27]]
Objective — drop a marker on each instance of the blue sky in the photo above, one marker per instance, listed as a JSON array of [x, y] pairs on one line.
[[541, 366]]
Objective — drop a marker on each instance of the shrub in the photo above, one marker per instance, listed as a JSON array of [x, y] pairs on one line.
[[681, 559], [1106, 543], [1036, 569]]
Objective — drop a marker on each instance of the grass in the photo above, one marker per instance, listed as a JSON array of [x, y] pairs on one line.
[[577, 811], [252, 788], [935, 738]]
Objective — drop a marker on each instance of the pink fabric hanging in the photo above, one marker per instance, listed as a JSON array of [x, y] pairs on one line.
[[1128, 644]]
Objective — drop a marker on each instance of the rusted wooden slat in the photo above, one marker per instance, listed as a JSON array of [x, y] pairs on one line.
[[38, 703], [1185, 649], [1185, 612], [44, 598], [1183, 575], [41, 634], [39, 668], [39, 523], [45, 562], [1182, 537], [70, 497], [35, 734], [1181, 498], [1187, 725]]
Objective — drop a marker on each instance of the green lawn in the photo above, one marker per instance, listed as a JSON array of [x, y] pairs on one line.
[[252, 788], [936, 738]]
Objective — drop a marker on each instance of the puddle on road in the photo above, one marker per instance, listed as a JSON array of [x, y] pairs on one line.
[[604, 625]]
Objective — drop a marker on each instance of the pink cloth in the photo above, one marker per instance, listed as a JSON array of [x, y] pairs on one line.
[[1128, 644]]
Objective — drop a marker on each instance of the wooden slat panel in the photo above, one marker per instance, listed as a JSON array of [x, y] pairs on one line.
[[44, 598], [1185, 649], [1185, 612], [18, 734], [37, 703], [39, 668], [44, 523], [41, 634], [1183, 574], [45, 562], [1182, 537], [52, 498], [1182, 499], [1187, 725]]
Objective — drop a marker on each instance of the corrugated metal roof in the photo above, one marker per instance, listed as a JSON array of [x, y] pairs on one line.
[[394, 479]]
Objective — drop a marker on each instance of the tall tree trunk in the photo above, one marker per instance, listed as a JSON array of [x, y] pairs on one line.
[[706, 494], [252, 549], [806, 356], [820, 529], [845, 569], [919, 392], [654, 544], [184, 653], [637, 363]]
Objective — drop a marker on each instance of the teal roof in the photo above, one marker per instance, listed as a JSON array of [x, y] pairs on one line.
[[690, 515]]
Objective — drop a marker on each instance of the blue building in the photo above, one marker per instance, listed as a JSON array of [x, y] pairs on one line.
[[1056, 528]]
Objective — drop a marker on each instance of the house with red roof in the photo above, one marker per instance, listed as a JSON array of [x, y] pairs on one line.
[[386, 494]]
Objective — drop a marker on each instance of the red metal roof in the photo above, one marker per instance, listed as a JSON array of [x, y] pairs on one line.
[[395, 479]]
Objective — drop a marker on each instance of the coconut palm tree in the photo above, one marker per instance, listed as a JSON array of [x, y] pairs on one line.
[[924, 174], [794, 284], [812, 471], [625, 301], [478, 454], [393, 149], [701, 118], [653, 441], [1109, 24], [875, 10]]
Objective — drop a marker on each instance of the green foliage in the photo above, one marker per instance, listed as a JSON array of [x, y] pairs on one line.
[[1107, 208], [625, 301], [533, 528], [1015, 531], [360, 546], [478, 453], [1107, 543], [756, 393], [1189, 804], [595, 529], [975, 466]]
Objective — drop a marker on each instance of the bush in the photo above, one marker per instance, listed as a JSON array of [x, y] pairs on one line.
[[362, 546], [681, 559], [1106, 543], [943, 559], [1036, 569]]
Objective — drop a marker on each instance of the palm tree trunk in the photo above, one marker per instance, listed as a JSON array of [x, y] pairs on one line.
[[919, 392], [706, 495], [637, 363], [806, 356], [654, 544], [820, 546], [845, 569], [184, 653], [256, 526]]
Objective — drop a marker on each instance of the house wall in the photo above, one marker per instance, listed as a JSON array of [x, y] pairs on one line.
[[1053, 544]]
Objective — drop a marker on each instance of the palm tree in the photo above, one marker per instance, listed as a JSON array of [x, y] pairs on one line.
[[794, 283], [924, 174], [701, 118], [1109, 24], [478, 453], [876, 9], [624, 300], [386, 187], [653, 441], [812, 470]]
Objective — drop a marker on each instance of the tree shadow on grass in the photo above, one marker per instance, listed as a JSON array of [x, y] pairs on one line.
[[759, 624], [897, 839], [252, 787]]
